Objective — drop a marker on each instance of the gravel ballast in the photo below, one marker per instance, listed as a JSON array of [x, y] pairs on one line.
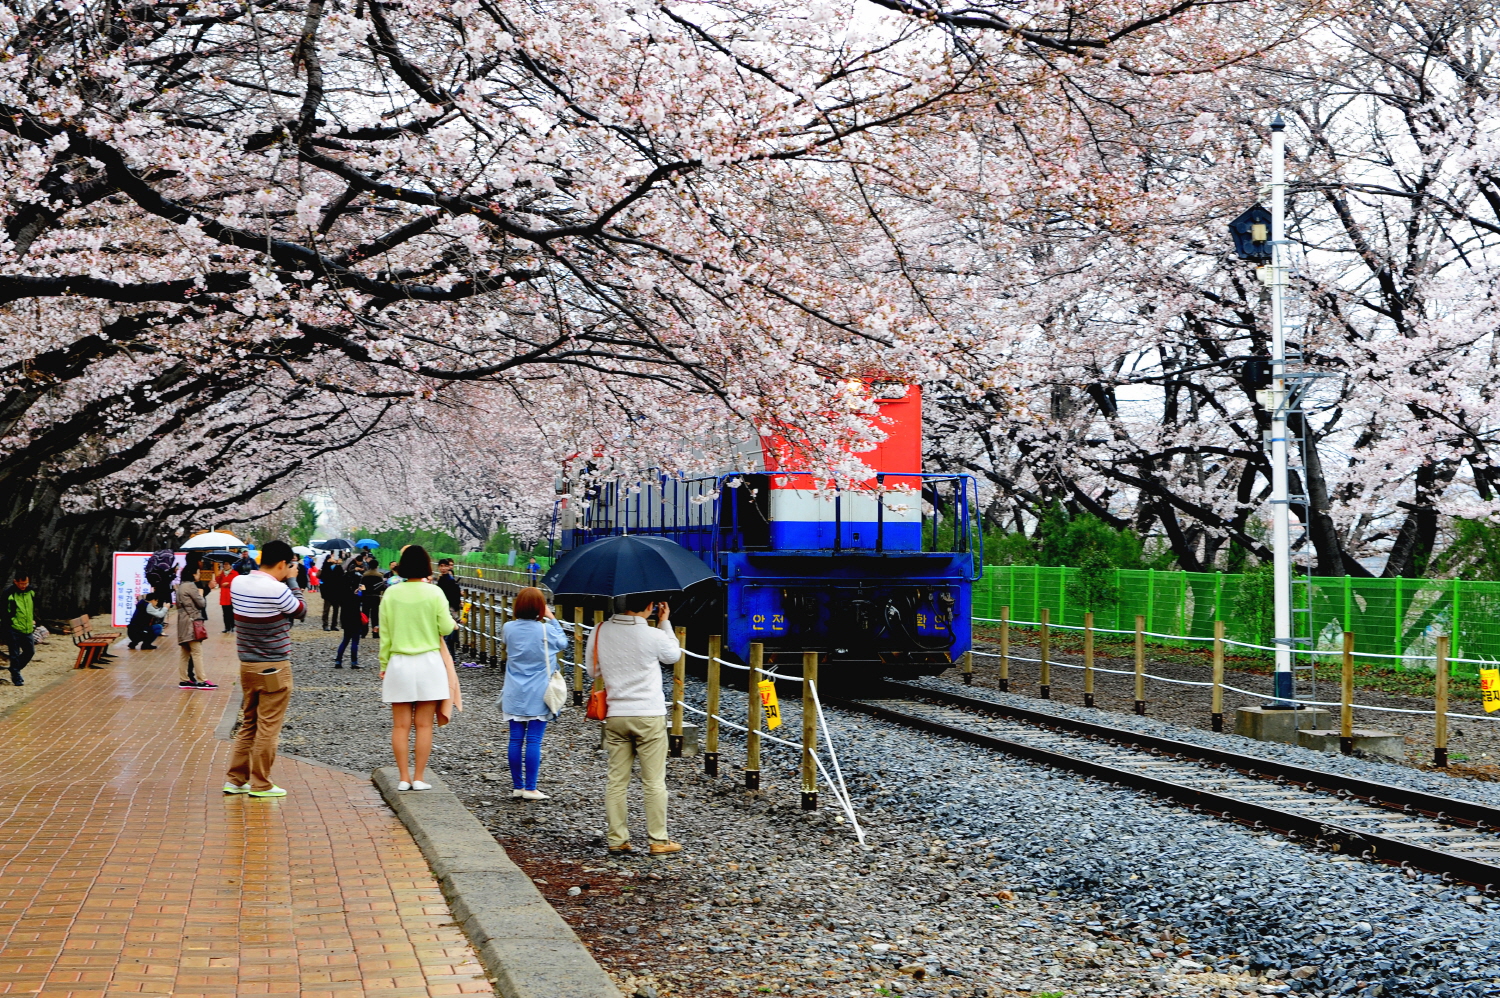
[[985, 875]]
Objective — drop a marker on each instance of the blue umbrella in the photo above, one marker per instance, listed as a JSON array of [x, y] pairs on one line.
[[366, 543], [626, 565]]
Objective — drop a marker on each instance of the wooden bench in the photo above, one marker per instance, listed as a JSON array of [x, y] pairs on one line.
[[90, 648]]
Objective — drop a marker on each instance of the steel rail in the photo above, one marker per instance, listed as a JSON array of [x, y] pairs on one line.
[[1403, 799], [1319, 832]]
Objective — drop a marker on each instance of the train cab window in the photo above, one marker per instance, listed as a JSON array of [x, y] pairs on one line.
[[746, 512]]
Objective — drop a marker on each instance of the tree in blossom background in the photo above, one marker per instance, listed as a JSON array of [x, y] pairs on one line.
[[434, 255]]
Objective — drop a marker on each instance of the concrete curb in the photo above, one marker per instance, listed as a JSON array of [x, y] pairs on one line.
[[524, 944]]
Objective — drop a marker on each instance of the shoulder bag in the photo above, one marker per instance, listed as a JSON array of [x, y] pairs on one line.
[[200, 631], [598, 705]]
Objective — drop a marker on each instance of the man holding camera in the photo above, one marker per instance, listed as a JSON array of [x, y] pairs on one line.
[[629, 653]]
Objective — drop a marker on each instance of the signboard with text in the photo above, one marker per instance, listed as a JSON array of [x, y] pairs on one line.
[[130, 583]]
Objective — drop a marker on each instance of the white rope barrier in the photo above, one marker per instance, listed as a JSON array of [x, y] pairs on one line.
[[1252, 693], [1227, 641], [837, 788]]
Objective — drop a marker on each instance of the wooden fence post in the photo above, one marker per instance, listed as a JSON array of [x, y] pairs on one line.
[[1216, 717], [1088, 659], [1440, 741], [752, 718], [1346, 698], [500, 650], [578, 656], [809, 732], [1046, 682], [1140, 666], [679, 673], [1004, 683], [711, 723], [486, 628]]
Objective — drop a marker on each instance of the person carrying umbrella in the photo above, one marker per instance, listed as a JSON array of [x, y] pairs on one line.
[[628, 654]]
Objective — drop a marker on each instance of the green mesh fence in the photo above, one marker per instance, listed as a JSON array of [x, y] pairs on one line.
[[1396, 617]]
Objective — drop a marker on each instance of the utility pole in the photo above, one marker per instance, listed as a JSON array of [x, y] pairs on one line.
[[1280, 506]]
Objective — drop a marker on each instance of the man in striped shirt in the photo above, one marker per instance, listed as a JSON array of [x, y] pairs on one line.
[[265, 605]]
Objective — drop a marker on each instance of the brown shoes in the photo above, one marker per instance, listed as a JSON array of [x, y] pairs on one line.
[[626, 847], [665, 848]]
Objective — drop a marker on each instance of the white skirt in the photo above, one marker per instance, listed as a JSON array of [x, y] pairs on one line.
[[410, 678]]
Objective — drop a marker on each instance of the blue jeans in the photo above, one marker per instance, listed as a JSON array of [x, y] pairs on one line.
[[351, 641], [525, 740]]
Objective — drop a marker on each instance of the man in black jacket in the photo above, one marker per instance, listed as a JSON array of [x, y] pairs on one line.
[[449, 585], [334, 589]]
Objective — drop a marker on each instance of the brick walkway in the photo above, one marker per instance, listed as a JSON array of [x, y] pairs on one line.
[[125, 871]]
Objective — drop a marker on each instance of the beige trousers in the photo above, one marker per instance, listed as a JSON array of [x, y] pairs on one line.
[[268, 687], [190, 665], [627, 739]]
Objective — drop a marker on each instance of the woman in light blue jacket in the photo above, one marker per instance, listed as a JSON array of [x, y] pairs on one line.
[[532, 642]]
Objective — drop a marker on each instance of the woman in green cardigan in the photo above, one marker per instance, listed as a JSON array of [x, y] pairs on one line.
[[417, 675]]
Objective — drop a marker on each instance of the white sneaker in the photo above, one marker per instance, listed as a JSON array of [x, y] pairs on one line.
[[403, 785], [230, 788], [419, 785], [534, 795], [518, 792]]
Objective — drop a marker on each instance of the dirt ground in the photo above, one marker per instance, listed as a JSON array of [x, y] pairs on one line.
[[53, 664]]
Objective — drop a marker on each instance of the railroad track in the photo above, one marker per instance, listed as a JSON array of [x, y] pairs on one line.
[[1456, 839]]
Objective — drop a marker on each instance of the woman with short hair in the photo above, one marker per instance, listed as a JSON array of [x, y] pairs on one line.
[[532, 642], [418, 678]]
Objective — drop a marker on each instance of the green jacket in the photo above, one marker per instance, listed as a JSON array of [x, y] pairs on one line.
[[20, 608], [413, 619]]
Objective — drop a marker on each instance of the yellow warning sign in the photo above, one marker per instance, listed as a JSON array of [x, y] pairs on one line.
[[1489, 685], [770, 708]]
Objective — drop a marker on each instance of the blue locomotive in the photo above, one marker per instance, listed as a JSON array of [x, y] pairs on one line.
[[877, 579]]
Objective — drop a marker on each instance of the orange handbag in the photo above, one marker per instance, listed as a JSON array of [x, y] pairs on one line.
[[598, 705]]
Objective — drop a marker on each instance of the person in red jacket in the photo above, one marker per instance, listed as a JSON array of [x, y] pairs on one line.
[[226, 575]]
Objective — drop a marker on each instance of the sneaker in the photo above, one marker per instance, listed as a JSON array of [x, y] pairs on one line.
[[131, 646], [403, 785], [470, 665], [278, 792], [665, 848], [204, 684], [187, 684], [232, 788], [534, 795], [15, 678], [419, 785], [355, 665], [338, 665]]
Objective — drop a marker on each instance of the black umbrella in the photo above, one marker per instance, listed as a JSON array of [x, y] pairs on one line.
[[625, 565], [337, 544], [229, 557]]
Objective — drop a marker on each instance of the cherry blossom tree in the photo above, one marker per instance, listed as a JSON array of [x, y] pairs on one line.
[[248, 235]]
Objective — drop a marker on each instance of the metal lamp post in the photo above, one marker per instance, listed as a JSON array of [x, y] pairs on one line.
[[1260, 235], [1281, 565]]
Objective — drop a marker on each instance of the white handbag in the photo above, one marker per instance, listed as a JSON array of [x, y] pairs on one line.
[[556, 694]]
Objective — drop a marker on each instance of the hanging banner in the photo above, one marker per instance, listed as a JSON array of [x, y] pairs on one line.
[[771, 710], [130, 583], [1489, 686]]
